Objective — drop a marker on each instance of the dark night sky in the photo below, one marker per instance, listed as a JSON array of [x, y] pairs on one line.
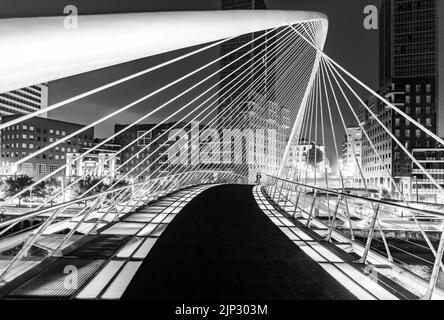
[[348, 43]]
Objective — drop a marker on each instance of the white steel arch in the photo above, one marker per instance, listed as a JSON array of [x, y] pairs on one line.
[[106, 40]]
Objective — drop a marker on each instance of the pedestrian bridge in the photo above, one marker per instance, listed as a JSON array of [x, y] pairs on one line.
[[208, 242], [177, 216]]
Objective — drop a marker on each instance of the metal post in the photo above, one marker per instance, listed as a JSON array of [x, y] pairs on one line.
[[387, 248], [275, 189], [287, 198], [312, 208], [349, 219], [280, 194], [436, 270], [332, 224], [371, 232], [296, 205]]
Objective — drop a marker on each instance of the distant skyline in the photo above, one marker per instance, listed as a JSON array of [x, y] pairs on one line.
[[348, 42]]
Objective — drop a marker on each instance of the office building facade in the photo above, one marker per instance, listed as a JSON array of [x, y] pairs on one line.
[[31, 135], [24, 101], [411, 73]]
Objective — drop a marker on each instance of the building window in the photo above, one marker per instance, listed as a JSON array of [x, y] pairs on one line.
[[51, 131], [52, 168], [428, 99], [24, 146], [407, 133], [27, 169], [418, 133], [145, 140], [40, 168], [418, 99], [428, 122], [428, 88], [407, 88]]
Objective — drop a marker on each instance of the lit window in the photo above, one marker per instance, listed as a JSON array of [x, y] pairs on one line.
[[41, 168], [418, 99], [429, 99], [27, 169]]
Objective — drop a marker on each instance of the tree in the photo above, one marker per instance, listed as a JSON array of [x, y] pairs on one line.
[[41, 190], [89, 182], [119, 184], [15, 185], [315, 155]]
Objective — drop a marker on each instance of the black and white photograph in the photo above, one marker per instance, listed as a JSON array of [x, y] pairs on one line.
[[212, 158]]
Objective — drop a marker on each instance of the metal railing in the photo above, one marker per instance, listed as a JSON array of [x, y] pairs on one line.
[[369, 223], [98, 211]]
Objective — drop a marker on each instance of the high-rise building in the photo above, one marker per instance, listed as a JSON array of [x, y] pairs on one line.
[[233, 90], [412, 78], [251, 102], [25, 100]]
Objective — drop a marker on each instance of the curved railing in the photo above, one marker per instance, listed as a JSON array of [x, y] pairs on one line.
[[380, 231], [90, 215]]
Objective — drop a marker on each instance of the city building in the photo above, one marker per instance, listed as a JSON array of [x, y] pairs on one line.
[[251, 69], [302, 159], [151, 149], [25, 100], [271, 125], [420, 188], [100, 163], [376, 172], [351, 148], [411, 77], [21, 140]]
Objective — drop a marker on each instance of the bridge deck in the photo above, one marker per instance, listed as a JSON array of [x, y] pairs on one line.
[[222, 246]]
